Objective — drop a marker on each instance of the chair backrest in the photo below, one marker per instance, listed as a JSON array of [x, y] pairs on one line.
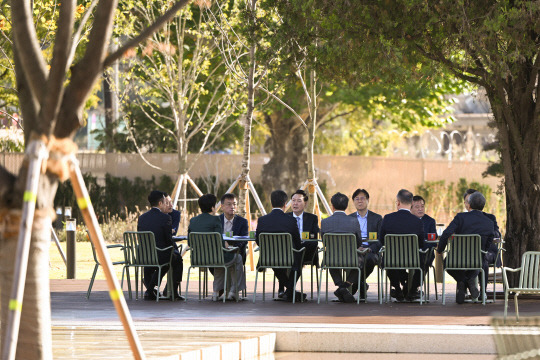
[[93, 248], [401, 251], [530, 270], [464, 251], [275, 250], [339, 250], [140, 248], [206, 249]]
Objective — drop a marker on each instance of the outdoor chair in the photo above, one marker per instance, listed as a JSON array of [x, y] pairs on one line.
[[529, 279], [312, 263], [517, 339], [464, 253], [339, 252], [123, 262], [141, 252], [400, 252], [277, 252], [498, 260], [207, 252]]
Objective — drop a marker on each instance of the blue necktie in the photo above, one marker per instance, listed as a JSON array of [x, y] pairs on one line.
[[298, 219]]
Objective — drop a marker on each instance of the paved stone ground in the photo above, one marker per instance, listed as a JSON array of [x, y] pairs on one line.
[[69, 305]]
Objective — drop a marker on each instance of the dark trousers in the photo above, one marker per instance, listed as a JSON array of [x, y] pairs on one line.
[[151, 274], [310, 253], [286, 278], [366, 262], [401, 276]]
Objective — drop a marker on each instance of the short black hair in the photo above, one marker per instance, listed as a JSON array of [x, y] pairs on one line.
[[477, 201], [418, 198], [207, 202], [358, 191], [405, 196], [226, 196], [301, 192], [469, 192], [340, 201], [155, 197], [278, 198]]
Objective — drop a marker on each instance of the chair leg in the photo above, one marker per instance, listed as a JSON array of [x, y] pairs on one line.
[[91, 282], [505, 304], [301, 287], [421, 285], [225, 286], [244, 291], [359, 277], [327, 285], [516, 305], [443, 285], [319, 280], [274, 287], [158, 284], [494, 281], [187, 282], [128, 279], [255, 288], [264, 284], [483, 293], [311, 273], [435, 283], [294, 288]]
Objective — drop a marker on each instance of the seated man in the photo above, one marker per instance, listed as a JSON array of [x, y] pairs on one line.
[[403, 222], [234, 223], [278, 222], [174, 214], [369, 222], [418, 209], [206, 222], [158, 221], [306, 222], [339, 222], [471, 222]]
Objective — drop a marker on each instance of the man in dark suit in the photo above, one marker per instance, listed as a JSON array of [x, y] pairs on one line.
[[233, 223], [307, 223], [158, 221], [369, 222], [339, 222], [174, 214], [418, 209], [403, 222], [474, 221], [207, 222], [279, 222]]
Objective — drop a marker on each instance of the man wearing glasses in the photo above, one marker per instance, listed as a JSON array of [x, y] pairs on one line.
[[370, 222]]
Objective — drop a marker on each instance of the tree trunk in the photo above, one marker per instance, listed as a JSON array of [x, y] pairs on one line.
[[248, 120], [286, 169], [518, 121]]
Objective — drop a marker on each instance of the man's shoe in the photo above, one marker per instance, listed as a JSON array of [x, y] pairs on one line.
[[339, 295], [300, 296], [414, 295], [233, 296], [346, 295], [288, 296], [150, 295], [473, 289], [215, 296], [280, 294], [460, 295]]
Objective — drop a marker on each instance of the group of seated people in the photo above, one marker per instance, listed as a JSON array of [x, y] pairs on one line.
[[410, 218]]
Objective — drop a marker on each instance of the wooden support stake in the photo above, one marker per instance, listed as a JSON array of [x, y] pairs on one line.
[[36, 152], [115, 292], [258, 201], [250, 246], [57, 242], [177, 189], [194, 186]]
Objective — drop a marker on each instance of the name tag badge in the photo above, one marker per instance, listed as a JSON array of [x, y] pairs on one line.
[[305, 235], [373, 236]]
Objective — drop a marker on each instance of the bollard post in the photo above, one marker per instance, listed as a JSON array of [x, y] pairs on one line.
[[71, 227], [59, 218]]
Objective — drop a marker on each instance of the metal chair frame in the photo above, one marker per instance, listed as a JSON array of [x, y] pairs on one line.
[[339, 252], [464, 253], [112, 246], [529, 279], [207, 252], [140, 251], [400, 252], [277, 252]]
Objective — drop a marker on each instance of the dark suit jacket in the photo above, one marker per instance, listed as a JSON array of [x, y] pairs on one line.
[[374, 222], [207, 222], [471, 222], [402, 222], [310, 223], [496, 226], [239, 225], [160, 224], [175, 217], [279, 222], [429, 225], [340, 223]]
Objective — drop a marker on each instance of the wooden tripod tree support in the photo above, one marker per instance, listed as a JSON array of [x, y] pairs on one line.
[[57, 242], [115, 292], [315, 192], [182, 182], [246, 184], [37, 152]]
